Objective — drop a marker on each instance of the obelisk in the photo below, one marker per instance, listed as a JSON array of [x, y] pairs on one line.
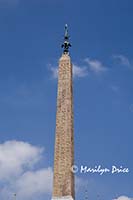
[[63, 183]]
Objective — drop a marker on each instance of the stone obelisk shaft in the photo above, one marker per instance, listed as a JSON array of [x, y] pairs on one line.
[[63, 186]]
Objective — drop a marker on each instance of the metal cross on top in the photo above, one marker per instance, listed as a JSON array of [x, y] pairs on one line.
[[66, 43]]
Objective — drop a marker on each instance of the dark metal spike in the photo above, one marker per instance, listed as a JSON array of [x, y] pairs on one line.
[[66, 43]]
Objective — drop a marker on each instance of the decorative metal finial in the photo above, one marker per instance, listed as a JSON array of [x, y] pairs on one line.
[[66, 43], [66, 31]]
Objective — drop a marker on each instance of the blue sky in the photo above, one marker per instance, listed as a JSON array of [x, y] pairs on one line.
[[31, 33]]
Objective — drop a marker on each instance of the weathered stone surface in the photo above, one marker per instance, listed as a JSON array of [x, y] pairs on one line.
[[63, 198], [63, 185]]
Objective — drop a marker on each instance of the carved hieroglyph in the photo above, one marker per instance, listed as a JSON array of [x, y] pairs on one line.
[[63, 185]]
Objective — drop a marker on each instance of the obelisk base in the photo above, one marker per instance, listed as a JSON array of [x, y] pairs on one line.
[[63, 198]]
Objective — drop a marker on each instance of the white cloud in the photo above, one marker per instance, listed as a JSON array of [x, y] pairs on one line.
[[78, 72], [29, 186], [34, 183], [122, 60], [95, 65], [54, 71], [20, 155], [18, 172], [123, 198]]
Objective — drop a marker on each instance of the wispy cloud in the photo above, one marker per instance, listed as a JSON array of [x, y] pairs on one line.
[[78, 71], [122, 60], [115, 88], [54, 71], [95, 65], [9, 2], [131, 108], [81, 71], [123, 198]]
